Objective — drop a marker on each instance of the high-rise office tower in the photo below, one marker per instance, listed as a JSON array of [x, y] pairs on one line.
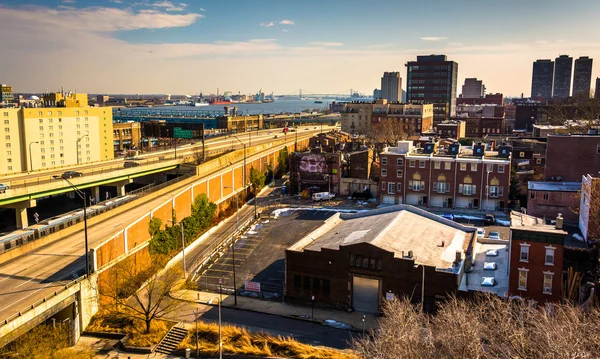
[[473, 88], [376, 94], [541, 81], [391, 87], [433, 79], [563, 67], [582, 76], [597, 88]]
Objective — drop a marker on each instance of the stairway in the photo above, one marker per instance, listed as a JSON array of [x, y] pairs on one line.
[[170, 342]]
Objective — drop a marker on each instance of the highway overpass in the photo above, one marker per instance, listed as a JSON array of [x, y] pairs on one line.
[[31, 284]]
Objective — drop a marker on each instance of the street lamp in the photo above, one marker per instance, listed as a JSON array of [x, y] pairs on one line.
[[237, 221], [220, 338], [83, 197], [77, 147], [422, 285], [182, 244], [31, 156]]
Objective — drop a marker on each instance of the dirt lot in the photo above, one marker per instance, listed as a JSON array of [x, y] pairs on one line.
[[260, 253]]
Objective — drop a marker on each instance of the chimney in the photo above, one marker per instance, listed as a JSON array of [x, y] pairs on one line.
[[458, 257], [559, 221]]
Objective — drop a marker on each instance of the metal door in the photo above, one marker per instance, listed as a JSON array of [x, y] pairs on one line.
[[365, 294]]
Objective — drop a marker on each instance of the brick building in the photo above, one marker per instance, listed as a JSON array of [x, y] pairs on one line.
[[448, 176], [315, 170], [549, 199], [569, 157], [126, 135], [536, 258], [479, 127], [359, 164], [451, 129], [528, 114], [358, 261], [529, 154], [489, 99]]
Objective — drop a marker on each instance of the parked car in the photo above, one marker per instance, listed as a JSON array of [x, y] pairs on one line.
[[322, 196], [72, 174], [449, 216], [480, 233], [130, 164], [270, 133], [494, 235], [315, 128], [489, 219], [3, 187]]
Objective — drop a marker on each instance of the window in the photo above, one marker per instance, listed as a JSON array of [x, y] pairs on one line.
[[6, 122], [399, 161], [447, 165], [524, 256], [391, 187], [436, 165], [467, 189], [383, 186], [500, 168], [59, 114], [41, 128], [411, 163], [297, 282], [523, 278], [316, 287], [40, 114], [384, 161], [306, 282], [463, 166], [398, 187], [399, 173], [521, 154], [416, 185], [421, 164], [490, 168], [548, 282], [474, 167], [77, 112], [383, 172], [8, 145], [441, 187], [545, 196], [532, 195], [7, 137], [549, 258], [6, 114], [598, 149], [326, 287]]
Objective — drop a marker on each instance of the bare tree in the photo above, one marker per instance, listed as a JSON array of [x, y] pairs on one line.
[[577, 113], [141, 292], [487, 327], [389, 131]]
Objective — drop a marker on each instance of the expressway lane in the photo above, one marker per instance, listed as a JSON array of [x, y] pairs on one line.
[[37, 274]]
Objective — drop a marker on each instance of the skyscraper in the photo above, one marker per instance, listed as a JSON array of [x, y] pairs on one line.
[[376, 94], [597, 88], [433, 79], [562, 76], [541, 81], [473, 88], [391, 87], [582, 77]]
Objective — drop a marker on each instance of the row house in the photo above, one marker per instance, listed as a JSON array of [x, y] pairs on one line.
[[447, 176], [479, 127], [451, 129]]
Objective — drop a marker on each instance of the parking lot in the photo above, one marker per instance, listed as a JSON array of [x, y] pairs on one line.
[[260, 254]]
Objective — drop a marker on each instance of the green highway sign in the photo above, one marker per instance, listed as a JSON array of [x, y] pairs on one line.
[[179, 133]]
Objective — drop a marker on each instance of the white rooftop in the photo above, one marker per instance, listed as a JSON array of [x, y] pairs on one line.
[[472, 280]]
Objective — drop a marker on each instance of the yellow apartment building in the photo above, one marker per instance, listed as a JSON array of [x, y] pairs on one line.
[[54, 137]]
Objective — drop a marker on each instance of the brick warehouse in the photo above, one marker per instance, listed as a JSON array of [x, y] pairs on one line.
[[357, 261], [568, 157], [445, 176]]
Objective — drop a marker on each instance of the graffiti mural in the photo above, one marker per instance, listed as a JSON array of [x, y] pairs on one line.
[[313, 168]]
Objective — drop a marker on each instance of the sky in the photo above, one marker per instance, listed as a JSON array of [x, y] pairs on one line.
[[325, 46]]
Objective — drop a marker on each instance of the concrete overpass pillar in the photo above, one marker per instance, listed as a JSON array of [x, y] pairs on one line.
[[121, 186], [21, 211], [96, 193]]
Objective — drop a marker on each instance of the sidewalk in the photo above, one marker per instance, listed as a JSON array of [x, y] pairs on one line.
[[283, 309]]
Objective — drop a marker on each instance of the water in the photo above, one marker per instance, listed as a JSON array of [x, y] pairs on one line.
[[279, 106]]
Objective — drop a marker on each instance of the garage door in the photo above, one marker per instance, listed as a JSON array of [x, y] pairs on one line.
[[412, 198], [365, 295], [389, 199], [437, 201]]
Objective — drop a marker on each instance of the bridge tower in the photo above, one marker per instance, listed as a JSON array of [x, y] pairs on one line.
[[300, 93]]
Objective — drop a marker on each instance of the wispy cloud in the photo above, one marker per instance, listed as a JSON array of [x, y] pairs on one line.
[[267, 24], [433, 38], [202, 9], [285, 30], [169, 6], [69, 1], [326, 43], [286, 22]]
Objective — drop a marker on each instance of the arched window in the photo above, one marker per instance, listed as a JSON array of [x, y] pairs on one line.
[[416, 177], [494, 182], [441, 178], [468, 180]]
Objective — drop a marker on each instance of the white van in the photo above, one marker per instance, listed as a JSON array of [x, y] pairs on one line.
[[322, 196]]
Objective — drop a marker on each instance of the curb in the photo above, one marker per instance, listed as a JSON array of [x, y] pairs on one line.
[[352, 328]]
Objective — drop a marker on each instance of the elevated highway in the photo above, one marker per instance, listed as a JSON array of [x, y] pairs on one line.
[[30, 281]]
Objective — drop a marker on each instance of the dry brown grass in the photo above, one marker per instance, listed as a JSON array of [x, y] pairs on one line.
[[116, 322], [238, 340], [487, 327]]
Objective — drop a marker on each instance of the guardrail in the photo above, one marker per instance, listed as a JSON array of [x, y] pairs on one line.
[[43, 300]]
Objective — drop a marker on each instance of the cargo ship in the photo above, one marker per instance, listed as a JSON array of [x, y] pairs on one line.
[[220, 102]]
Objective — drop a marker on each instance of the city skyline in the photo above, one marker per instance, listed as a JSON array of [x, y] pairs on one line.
[[121, 46]]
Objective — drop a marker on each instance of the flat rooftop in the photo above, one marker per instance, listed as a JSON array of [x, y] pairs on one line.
[[554, 186], [399, 229], [472, 280], [526, 222]]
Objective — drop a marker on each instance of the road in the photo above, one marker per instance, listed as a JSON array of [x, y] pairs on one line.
[[303, 331], [212, 145], [35, 275]]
